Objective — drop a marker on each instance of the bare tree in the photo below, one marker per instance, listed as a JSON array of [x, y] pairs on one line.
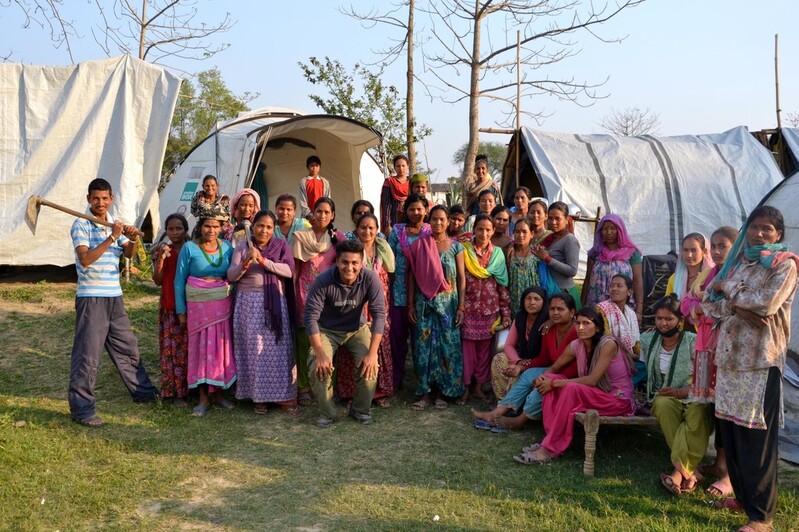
[[792, 119], [154, 31], [631, 122], [547, 28], [391, 18]]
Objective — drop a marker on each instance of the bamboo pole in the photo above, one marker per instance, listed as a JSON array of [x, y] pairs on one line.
[[518, 101], [777, 78]]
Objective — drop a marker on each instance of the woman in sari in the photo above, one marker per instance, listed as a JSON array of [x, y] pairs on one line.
[[245, 204], [525, 269], [703, 382], [486, 201], [500, 215], [378, 257], [751, 298], [172, 335], [435, 308], [604, 384], [209, 203], [262, 270], [537, 216], [287, 224], [394, 193], [669, 355], [620, 319], [479, 182], [523, 393], [487, 306], [521, 205], [401, 237], [203, 301], [694, 257], [561, 249], [613, 252], [314, 251]]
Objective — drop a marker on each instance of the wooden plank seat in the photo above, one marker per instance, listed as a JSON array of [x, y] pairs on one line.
[[591, 420]]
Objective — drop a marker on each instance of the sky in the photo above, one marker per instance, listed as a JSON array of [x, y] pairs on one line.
[[703, 67]]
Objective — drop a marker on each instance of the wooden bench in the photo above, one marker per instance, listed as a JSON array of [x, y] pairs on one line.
[[591, 420]]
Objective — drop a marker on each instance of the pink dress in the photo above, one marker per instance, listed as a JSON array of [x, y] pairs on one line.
[[561, 404]]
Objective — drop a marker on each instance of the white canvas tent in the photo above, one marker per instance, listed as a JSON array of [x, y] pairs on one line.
[[63, 127], [663, 187], [791, 136], [281, 139]]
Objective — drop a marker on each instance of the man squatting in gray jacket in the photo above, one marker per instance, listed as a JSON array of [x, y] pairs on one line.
[[334, 317]]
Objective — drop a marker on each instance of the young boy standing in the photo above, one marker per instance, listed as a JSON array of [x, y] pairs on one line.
[[101, 320], [313, 186]]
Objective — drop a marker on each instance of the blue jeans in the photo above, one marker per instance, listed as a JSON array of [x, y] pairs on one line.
[[524, 393]]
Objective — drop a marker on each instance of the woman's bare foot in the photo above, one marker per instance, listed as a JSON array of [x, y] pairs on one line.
[[480, 394], [463, 399], [512, 423]]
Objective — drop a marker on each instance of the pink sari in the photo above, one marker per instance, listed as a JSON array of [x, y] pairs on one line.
[[209, 307]]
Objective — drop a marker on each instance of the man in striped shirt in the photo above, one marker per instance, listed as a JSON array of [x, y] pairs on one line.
[[101, 319]]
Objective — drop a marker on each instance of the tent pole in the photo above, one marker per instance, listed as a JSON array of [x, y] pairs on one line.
[[777, 77], [518, 101]]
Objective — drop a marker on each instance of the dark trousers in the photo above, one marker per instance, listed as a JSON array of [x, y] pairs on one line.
[[102, 322], [752, 456]]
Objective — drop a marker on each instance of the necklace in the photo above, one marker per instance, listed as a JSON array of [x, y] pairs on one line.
[[479, 252], [218, 262]]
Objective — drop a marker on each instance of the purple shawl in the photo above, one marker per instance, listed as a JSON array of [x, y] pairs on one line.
[[626, 247], [424, 261], [276, 250]]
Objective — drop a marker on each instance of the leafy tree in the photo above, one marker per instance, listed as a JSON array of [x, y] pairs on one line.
[[631, 122], [360, 94], [198, 110], [495, 151]]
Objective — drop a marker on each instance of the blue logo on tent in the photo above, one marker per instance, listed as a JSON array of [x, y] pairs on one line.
[[188, 191]]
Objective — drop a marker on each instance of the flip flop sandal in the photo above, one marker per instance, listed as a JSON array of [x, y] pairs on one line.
[[441, 404], [719, 489], [304, 399], [482, 424], [294, 412], [420, 405], [383, 402], [496, 429], [667, 482], [530, 449], [226, 404], [261, 409], [531, 459], [199, 411]]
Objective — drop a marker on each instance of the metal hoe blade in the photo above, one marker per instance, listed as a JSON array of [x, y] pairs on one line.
[[32, 212]]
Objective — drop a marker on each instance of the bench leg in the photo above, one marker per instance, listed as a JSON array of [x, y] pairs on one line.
[[591, 426]]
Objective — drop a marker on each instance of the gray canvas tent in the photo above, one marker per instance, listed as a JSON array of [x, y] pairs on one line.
[[64, 126], [663, 187], [266, 150]]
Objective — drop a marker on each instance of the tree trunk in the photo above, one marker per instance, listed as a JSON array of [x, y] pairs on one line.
[[409, 117], [142, 28], [474, 97]]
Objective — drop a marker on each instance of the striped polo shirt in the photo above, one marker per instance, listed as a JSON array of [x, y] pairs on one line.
[[100, 278]]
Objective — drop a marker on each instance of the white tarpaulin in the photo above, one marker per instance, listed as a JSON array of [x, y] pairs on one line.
[[791, 136], [663, 187], [63, 127], [280, 140]]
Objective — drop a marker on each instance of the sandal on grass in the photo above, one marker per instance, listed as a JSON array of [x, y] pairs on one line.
[[441, 404], [688, 485], [482, 424], [293, 412], [530, 449], [421, 404], [720, 488], [226, 404], [756, 526], [382, 402], [261, 409], [539, 456], [199, 411], [304, 399], [668, 483], [92, 422]]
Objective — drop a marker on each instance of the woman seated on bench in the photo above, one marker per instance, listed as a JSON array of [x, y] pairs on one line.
[[604, 384], [669, 355]]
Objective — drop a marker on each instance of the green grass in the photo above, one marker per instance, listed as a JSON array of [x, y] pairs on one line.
[[155, 467]]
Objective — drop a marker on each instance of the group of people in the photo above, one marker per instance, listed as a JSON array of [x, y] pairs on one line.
[[283, 307]]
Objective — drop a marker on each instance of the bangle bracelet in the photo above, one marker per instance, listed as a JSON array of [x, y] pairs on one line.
[[548, 259], [461, 308]]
